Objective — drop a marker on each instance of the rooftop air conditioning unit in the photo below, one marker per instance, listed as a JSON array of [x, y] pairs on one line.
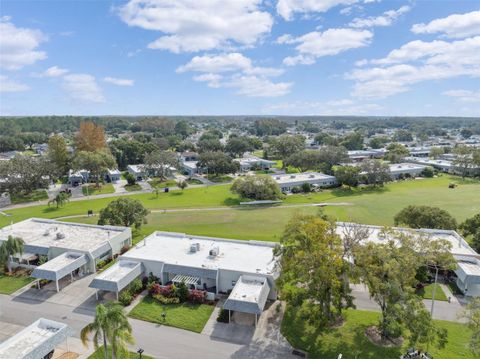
[[312, 176], [292, 176], [278, 177], [60, 235], [194, 247], [215, 251]]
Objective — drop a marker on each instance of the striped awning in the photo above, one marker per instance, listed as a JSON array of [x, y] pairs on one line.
[[180, 278]]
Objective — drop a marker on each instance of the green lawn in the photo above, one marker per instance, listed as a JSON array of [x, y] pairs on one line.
[[99, 354], [156, 183], [133, 187], [370, 206], [185, 316], [194, 181], [427, 293], [9, 285], [219, 179], [349, 339], [38, 195], [93, 190]]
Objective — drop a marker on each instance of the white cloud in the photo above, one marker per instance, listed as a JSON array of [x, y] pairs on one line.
[[9, 85], [287, 8], [18, 46], [217, 63], [330, 42], [118, 82], [83, 87], [213, 80], [386, 19], [240, 73], [53, 71], [193, 25], [341, 107], [453, 26], [464, 95], [414, 62], [254, 86]]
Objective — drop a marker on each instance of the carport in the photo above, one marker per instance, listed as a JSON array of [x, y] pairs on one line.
[[248, 296], [117, 277], [60, 266], [37, 340]]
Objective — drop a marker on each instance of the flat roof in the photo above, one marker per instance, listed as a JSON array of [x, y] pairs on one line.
[[472, 269], [119, 270], [50, 233], [190, 164], [249, 295], [175, 248], [299, 177], [400, 167], [35, 341], [118, 276], [459, 245]]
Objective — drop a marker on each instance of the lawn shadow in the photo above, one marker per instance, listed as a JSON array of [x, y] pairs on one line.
[[348, 192], [231, 201]]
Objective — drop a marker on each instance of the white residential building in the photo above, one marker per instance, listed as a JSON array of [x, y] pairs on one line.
[[287, 182]]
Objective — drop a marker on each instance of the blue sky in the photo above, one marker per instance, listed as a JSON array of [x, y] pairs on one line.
[[240, 57]]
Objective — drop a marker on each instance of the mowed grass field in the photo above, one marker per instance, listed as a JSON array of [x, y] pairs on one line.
[[224, 219]]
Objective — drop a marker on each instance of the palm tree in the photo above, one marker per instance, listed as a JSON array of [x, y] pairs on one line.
[[12, 246], [60, 199], [111, 325]]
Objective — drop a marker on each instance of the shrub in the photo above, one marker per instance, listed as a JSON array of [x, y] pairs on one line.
[[136, 286], [182, 292], [154, 288], [145, 282], [197, 296], [124, 249], [125, 298], [428, 172], [166, 300], [223, 316], [131, 180], [152, 278], [306, 187], [296, 190]]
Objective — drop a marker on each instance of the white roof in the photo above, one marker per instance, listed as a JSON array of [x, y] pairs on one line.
[[136, 168], [190, 164], [471, 269], [116, 272], [35, 341], [301, 177], [459, 246], [174, 248], [48, 233], [249, 295], [402, 167]]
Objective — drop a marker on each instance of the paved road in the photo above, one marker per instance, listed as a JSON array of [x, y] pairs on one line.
[[161, 341]]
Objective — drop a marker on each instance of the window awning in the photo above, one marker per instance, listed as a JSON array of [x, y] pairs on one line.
[[180, 278]]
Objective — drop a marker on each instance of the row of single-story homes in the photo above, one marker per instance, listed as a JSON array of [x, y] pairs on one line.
[[241, 270], [446, 165], [76, 178]]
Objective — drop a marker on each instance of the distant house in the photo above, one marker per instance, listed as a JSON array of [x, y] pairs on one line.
[[190, 168], [40, 148], [189, 156], [76, 178], [141, 172], [362, 155], [446, 166], [399, 170], [249, 163], [287, 182], [113, 176]]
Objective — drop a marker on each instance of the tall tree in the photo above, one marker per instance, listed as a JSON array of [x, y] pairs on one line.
[[217, 163], [375, 172], [259, 187], [463, 159], [97, 163], [352, 141], [237, 146], [396, 153], [90, 137], [24, 174], [159, 162], [312, 267], [472, 314], [286, 145], [60, 199], [9, 248], [58, 154], [425, 217], [347, 175], [111, 327], [124, 212]]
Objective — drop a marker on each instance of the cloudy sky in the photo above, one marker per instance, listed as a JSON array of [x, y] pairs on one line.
[[218, 57]]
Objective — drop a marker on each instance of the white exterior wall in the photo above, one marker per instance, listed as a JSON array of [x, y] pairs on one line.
[[473, 290], [227, 280], [118, 240]]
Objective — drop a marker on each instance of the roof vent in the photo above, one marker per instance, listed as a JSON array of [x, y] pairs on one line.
[[60, 235], [215, 251]]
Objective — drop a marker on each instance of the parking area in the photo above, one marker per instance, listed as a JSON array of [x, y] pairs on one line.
[[75, 294]]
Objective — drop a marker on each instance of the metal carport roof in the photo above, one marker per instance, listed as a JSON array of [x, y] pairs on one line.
[[60, 266], [118, 276]]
